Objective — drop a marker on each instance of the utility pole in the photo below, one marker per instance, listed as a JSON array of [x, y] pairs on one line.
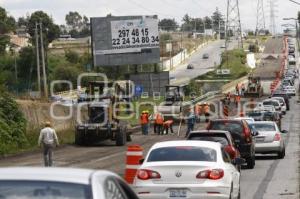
[[272, 16], [260, 18], [37, 58], [43, 62], [233, 22]]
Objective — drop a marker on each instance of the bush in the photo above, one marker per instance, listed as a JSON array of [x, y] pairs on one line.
[[72, 57], [12, 125]]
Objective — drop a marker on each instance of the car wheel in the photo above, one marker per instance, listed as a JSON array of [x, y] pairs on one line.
[[281, 154], [121, 137], [250, 162]]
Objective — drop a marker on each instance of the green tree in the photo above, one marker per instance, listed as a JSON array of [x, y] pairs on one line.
[[27, 65], [217, 20], [22, 21], [65, 73], [50, 30], [74, 20], [187, 23], [7, 24], [168, 24], [208, 23]]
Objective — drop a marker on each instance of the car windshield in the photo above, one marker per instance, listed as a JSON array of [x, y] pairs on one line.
[[43, 189], [254, 114], [212, 138], [264, 127], [183, 153], [233, 127]]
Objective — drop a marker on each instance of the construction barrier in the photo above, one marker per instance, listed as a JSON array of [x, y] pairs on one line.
[[225, 111], [133, 156]]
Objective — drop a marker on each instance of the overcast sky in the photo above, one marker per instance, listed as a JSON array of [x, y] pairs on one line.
[[163, 8]]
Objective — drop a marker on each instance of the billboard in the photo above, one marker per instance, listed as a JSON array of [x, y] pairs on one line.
[[125, 40]]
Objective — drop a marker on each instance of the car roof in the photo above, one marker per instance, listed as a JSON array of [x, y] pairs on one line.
[[225, 120], [206, 144], [68, 175], [243, 118], [263, 122], [210, 132]]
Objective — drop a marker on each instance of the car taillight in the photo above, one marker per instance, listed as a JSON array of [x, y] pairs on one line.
[[247, 134], [231, 151], [214, 174], [277, 137], [145, 174]]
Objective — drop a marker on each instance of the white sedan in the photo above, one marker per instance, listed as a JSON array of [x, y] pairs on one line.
[[62, 183], [188, 169]]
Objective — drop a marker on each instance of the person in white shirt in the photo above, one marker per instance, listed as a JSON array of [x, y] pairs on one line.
[[48, 140]]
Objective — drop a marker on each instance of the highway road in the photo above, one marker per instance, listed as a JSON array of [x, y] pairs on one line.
[[271, 178], [201, 66]]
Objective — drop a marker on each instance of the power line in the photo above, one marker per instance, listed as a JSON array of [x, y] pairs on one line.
[[272, 17], [295, 2], [233, 22], [260, 17]]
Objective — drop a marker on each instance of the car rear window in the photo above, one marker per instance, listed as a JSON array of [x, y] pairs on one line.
[[212, 138], [182, 153], [264, 127], [43, 189], [274, 103], [233, 127], [254, 114]]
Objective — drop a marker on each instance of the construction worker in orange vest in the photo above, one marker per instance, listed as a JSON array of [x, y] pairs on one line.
[[168, 125], [206, 111], [158, 123], [144, 119], [198, 112], [237, 100]]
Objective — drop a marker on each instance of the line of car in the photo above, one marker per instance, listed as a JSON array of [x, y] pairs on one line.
[[209, 162]]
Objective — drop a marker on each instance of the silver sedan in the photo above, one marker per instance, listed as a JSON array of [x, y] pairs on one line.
[[269, 138]]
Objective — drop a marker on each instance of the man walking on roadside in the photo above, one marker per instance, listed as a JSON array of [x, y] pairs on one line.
[[190, 122], [48, 140]]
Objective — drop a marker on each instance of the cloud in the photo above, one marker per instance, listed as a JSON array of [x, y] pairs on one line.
[[163, 8]]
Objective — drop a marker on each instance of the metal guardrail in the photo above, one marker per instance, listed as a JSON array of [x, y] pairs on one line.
[[208, 95]]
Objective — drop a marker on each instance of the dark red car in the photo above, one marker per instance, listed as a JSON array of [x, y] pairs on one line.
[[241, 134], [223, 137]]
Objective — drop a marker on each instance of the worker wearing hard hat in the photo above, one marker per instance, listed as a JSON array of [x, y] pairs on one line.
[[158, 123], [206, 111], [168, 125], [144, 119]]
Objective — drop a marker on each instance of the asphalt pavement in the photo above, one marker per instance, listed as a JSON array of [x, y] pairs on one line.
[[183, 75]]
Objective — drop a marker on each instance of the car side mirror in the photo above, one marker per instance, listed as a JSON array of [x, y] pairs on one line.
[[238, 161], [284, 131], [141, 161]]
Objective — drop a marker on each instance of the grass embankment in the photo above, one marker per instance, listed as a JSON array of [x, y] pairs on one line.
[[235, 60], [15, 137]]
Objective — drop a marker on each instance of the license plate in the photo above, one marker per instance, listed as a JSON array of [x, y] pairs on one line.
[[259, 139], [178, 193]]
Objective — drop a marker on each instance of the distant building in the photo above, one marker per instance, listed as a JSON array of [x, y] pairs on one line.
[[18, 40]]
